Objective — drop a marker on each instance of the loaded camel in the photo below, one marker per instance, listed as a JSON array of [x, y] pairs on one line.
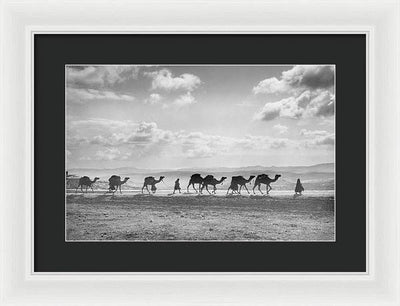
[[195, 179], [115, 182], [150, 180], [239, 181], [210, 180], [85, 181], [265, 179]]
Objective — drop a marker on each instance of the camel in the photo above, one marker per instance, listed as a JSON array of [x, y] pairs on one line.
[[210, 180], [150, 180], [195, 179], [265, 179], [114, 182], [234, 187], [239, 181], [85, 181]]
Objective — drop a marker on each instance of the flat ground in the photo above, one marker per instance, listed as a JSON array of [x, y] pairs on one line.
[[191, 217]]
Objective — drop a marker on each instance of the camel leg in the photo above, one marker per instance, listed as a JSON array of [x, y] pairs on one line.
[[270, 188], [215, 188], [207, 189], [255, 185], [143, 187], [147, 187], [82, 189], [76, 190], [228, 190], [120, 191], [194, 188], [179, 190], [247, 189], [260, 189]]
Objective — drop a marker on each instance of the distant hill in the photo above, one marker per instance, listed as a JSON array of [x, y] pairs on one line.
[[320, 176], [318, 168]]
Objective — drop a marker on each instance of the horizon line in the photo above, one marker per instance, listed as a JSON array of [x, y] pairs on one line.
[[187, 168]]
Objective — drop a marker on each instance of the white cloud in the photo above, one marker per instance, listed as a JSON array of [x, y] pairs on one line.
[[281, 129], [327, 140], [308, 133], [307, 104], [298, 79], [154, 98], [163, 79], [278, 143], [271, 85], [99, 76], [78, 95], [317, 138], [113, 139], [185, 99], [111, 154]]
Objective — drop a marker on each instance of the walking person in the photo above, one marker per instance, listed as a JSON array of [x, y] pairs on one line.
[[177, 186], [299, 187]]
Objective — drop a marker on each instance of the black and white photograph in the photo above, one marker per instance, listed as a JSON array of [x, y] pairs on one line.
[[200, 153]]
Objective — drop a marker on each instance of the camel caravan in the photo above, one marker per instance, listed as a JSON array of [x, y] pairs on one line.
[[235, 187]]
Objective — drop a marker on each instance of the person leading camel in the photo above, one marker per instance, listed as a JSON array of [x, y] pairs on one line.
[[177, 186], [299, 187]]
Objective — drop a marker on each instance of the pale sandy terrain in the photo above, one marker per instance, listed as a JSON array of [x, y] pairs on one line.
[[191, 217]]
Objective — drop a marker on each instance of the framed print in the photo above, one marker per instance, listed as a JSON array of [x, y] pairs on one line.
[[190, 160], [138, 128]]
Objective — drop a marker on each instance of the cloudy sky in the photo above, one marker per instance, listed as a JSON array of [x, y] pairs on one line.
[[199, 116]]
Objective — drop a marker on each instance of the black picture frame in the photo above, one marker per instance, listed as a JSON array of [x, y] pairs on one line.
[[53, 51]]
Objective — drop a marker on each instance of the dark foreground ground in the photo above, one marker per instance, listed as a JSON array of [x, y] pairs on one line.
[[138, 217]]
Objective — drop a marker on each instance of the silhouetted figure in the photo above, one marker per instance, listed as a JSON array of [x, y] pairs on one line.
[[299, 187], [177, 186]]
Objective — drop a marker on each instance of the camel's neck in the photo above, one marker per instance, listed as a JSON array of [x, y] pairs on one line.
[[250, 178], [220, 181], [159, 180], [275, 179], [123, 182], [94, 181]]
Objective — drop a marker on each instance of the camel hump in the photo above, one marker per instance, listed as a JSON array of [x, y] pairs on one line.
[[85, 178], [149, 177], [209, 177], [114, 177], [196, 175]]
